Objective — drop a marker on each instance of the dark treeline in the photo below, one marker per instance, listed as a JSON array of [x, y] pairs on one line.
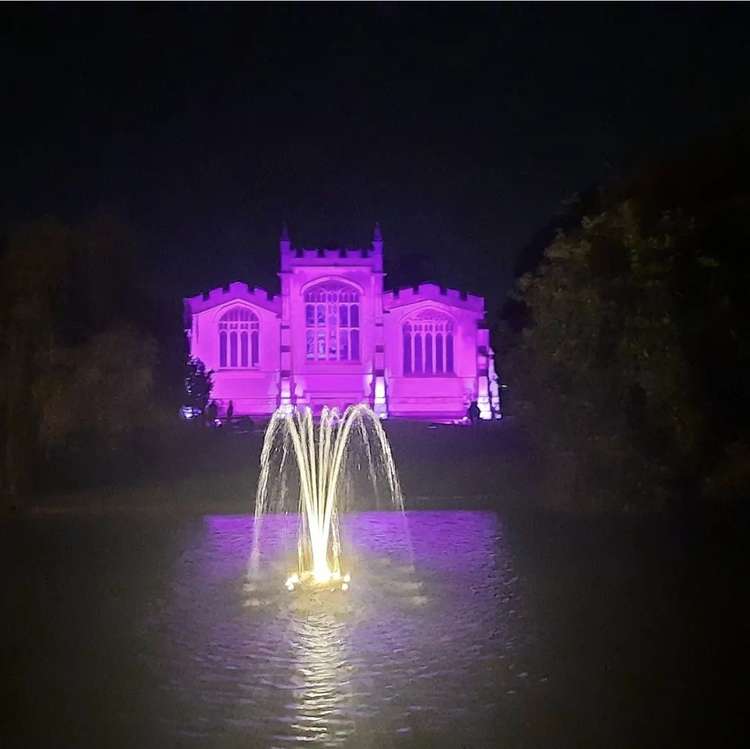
[[626, 350], [84, 363]]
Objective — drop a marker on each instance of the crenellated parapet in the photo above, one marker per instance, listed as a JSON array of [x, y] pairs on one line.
[[435, 293], [369, 258], [235, 290]]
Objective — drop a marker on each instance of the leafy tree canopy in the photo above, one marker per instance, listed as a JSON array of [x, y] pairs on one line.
[[198, 384], [627, 348]]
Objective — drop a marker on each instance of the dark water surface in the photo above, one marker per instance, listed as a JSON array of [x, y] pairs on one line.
[[461, 628]]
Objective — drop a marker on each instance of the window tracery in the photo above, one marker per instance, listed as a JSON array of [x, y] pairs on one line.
[[428, 344], [332, 323], [239, 344]]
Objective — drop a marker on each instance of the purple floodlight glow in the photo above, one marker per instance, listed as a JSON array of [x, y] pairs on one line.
[[434, 617], [334, 337]]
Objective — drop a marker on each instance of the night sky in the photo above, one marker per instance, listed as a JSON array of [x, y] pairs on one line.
[[461, 128]]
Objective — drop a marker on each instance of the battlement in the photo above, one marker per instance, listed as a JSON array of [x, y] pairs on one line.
[[433, 292], [292, 258], [357, 353], [234, 290]]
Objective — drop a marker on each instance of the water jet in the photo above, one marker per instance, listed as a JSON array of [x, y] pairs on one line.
[[308, 468]]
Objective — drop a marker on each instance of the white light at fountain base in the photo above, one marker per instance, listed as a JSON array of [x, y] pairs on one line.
[[320, 455], [329, 579]]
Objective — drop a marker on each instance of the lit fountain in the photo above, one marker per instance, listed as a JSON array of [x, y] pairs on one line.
[[325, 455]]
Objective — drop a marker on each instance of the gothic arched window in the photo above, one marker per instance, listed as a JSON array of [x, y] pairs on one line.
[[238, 339], [332, 323], [428, 345]]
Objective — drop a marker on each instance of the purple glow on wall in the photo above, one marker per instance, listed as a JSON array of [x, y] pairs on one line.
[[334, 337]]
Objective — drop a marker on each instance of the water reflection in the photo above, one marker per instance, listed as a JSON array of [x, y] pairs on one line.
[[321, 705], [428, 638]]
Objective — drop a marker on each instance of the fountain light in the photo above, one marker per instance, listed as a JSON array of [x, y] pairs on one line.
[[326, 579], [320, 454], [291, 581]]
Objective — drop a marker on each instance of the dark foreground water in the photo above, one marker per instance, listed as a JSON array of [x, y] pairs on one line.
[[460, 629]]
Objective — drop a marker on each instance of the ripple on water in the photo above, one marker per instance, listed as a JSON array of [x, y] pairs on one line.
[[417, 642]]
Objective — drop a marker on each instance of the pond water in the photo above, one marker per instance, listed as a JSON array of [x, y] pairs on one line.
[[460, 628]]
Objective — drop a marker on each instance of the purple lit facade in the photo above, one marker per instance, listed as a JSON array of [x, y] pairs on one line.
[[334, 337]]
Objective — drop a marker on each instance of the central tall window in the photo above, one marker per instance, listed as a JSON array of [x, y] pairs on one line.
[[238, 339], [428, 345], [332, 323]]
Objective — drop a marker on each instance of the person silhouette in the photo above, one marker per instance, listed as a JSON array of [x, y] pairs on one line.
[[473, 412], [230, 411], [212, 411]]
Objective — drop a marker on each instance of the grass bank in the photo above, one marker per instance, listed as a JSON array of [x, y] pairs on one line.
[[191, 469]]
